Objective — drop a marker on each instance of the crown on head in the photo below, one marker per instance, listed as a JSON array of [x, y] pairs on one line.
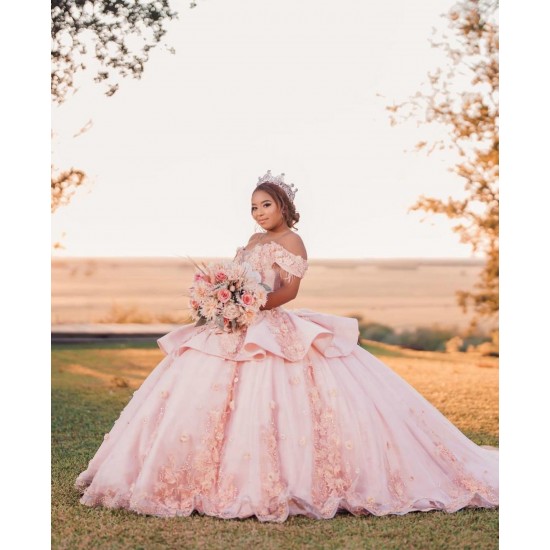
[[290, 190]]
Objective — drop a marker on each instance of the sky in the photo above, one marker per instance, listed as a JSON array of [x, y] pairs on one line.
[[294, 87]]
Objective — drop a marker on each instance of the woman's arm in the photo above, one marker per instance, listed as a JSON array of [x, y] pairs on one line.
[[289, 288], [282, 295]]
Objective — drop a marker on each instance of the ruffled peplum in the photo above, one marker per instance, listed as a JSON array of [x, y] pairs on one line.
[[289, 334]]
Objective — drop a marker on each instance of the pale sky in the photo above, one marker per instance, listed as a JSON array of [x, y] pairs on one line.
[[290, 86]]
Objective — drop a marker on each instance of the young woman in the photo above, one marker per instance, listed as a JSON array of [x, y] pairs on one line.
[[290, 416]]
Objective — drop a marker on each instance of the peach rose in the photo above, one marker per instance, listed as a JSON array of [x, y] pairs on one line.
[[224, 295], [248, 317], [220, 276], [247, 299], [202, 289]]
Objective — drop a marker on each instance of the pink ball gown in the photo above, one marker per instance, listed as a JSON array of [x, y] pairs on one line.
[[290, 417]]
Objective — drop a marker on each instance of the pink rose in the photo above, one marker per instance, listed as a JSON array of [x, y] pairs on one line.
[[194, 304], [247, 299], [224, 295], [220, 276]]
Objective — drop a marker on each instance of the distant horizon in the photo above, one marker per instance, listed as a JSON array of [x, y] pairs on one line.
[[403, 293], [472, 260]]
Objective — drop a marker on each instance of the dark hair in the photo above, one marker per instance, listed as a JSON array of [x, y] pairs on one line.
[[287, 207]]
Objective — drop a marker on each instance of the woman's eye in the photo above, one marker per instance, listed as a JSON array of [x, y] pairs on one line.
[[267, 204]]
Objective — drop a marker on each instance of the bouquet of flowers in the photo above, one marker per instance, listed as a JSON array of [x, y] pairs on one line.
[[227, 295]]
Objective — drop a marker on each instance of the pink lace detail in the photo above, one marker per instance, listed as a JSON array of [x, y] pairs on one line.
[[263, 257], [396, 487], [174, 488], [231, 342], [331, 481], [285, 333], [201, 476], [112, 497], [152, 436], [257, 259], [109, 498], [291, 264], [464, 479], [273, 504]]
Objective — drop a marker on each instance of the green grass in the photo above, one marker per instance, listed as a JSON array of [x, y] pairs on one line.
[[85, 406], [381, 351], [109, 344]]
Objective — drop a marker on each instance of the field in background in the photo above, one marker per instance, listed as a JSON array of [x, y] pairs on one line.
[[91, 384], [404, 294]]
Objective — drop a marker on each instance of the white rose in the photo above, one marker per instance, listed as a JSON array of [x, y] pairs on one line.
[[261, 296], [251, 274], [231, 311]]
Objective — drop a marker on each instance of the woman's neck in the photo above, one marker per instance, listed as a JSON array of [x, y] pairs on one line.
[[277, 231]]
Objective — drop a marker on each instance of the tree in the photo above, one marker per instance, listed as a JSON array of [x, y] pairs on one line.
[[64, 185], [465, 100], [121, 33]]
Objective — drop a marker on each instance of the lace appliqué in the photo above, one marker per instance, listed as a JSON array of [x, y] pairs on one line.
[[273, 505], [111, 497], [285, 333], [291, 264], [200, 476], [462, 479], [231, 342], [264, 257], [465, 480], [331, 481]]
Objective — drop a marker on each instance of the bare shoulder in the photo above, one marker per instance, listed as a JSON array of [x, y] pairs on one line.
[[294, 244], [254, 237]]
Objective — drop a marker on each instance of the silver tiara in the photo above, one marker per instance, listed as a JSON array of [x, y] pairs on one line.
[[290, 190]]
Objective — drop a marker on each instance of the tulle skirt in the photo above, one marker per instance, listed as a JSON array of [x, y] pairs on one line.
[[293, 418]]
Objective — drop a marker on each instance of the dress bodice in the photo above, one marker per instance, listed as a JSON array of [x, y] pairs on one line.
[[278, 331], [274, 263]]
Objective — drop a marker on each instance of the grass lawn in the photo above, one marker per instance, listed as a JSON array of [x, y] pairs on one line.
[[92, 383]]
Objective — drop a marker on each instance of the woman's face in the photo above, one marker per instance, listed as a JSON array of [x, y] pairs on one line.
[[265, 210]]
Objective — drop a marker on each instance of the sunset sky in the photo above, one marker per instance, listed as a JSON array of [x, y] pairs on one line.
[[299, 88]]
